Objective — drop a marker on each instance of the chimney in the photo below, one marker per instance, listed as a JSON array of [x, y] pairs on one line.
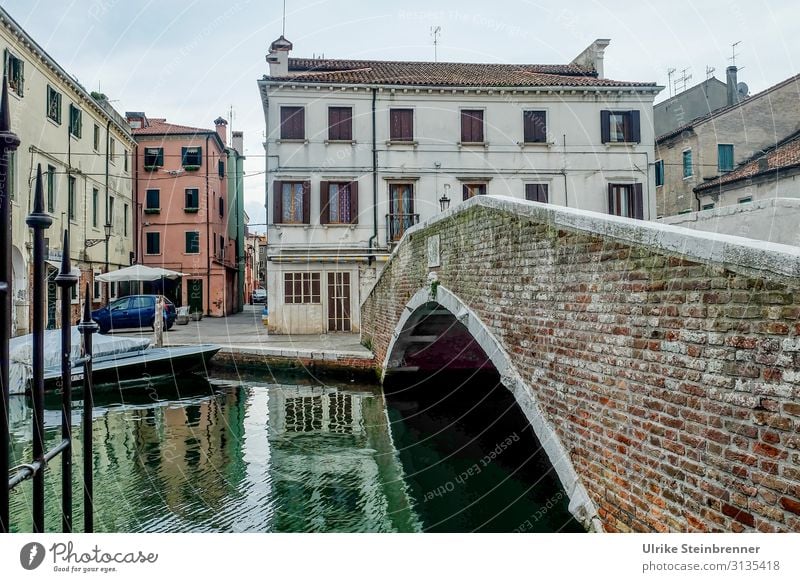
[[222, 130], [592, 56], [136, 119], [238, 142], [278, 57], [733, 91]]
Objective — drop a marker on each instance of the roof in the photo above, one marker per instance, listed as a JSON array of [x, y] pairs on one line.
[[159, 126], [700, 85], [717, 112], [428, 73], [783, 157]]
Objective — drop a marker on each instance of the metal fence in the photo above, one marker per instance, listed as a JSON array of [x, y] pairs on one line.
[[36, 469]]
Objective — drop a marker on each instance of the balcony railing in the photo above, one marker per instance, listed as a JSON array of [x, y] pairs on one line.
[[397, 224]]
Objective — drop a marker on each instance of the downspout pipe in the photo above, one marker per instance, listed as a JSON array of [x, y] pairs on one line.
[[208, 236], [108, 216], [373, 240]]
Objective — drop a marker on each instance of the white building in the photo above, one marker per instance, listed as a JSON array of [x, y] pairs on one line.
[[84, 148], [357, 151]]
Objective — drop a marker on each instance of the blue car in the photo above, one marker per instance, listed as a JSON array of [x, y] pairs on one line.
[[133, 311]]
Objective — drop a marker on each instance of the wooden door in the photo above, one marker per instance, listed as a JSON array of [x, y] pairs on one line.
[[338, 301]]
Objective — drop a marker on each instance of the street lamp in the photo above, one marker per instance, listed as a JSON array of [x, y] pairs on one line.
[[90, 242], [444, 201]]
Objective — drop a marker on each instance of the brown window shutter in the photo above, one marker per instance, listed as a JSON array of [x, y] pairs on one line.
[[638, 201], [300, 123], [333, 123], [477, 126], [407, 125], [540, 128], [466, 127], [277, 202], [605, 127], [530, 192], [611, 199], [306, 202], [346, 123], [634, 134], [324, 210], [394, 124], [353, 202]]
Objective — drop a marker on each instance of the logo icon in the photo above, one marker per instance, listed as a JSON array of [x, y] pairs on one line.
[[31, 555]]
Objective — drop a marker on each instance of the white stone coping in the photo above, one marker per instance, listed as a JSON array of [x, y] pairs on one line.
[[733, 209], [692, 244], [311, 354]]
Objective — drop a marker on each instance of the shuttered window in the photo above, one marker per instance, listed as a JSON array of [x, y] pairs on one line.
[[53, 104], [472, 125], [192, 199], [401, 124], [153, 244], [152, 200], [192, 242], [191, 157], [620, 126], [688, 170], [153, 157], [340, 123], [470, 190], [626, 200], [291, 202], [338, 202], [15, 73], [293, 123], [75, 121], [536, 193], [725, 157], [535, 126], [659, 166]]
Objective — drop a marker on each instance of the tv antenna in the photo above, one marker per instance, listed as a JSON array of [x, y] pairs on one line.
[[436, 32], [732, 59], [670, 72], [283, 22], [709, 72], [683, 80]]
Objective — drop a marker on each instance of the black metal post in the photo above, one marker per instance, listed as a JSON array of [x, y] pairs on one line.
[[66, 280], [8, 143], [39, 221], [87, 327]]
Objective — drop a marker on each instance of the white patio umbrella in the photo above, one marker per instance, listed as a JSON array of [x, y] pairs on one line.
[[138, 273]]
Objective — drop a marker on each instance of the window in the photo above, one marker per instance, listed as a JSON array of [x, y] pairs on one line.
[[340, 123], [401, 125], [687, 164], [125, 158], [708, 206], [725, 157], [111, 211], [153, 158], [125, 211], [95, 199], [221, 207], [626, 200], [535, 126], [401, 210], [96, 138], [221, 168], [75, 121], [301, 287], [293, 123], [191, 157], [113, 289], [192, 242], [472, 126], [152, 201], [71, 212], [97, 288], [291, 202], [15, 73], [222, 247], [659, 170], [51, 189], [338, 202], [53, 104], [470, 190], [12, 174], [153, 243], [192, 200], [536, 193], [620, 127], [745, 200], [112, 149]]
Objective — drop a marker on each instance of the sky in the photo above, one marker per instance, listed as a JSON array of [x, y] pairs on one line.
[[194, 60]]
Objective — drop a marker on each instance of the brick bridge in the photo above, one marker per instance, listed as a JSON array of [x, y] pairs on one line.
[[658, 366]]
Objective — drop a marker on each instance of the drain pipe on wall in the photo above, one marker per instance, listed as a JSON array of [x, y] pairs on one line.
[[564, 171], [208, 236], [374, 238]]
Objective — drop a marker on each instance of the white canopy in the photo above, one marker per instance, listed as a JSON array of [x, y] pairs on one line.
[[138, 273]]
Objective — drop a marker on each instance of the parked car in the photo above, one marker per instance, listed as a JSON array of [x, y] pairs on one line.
[[259, 296], [133, 311]]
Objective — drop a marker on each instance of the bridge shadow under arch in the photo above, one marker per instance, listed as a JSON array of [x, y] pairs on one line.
[[439, 332]]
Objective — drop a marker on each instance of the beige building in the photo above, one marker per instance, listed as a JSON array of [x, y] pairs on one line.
[[84, 148], [712, 145]]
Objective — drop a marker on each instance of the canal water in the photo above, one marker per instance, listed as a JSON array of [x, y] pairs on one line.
[[294, 454]]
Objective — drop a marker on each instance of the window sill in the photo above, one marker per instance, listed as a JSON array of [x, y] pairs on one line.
[[402, 142], [151, 168], [535, 144], [340, 141], [152, 211], [53, 121], [191, 210], [621, 144], [75, 137], [291, 225], [191, 168], [339, 225], [291, 140], [483, 144]]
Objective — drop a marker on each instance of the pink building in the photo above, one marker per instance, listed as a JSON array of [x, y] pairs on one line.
[[182, 206]]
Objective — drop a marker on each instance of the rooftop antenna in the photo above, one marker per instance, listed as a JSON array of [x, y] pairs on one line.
[[436, 31], [733, 53], [283, 23], [709, 72], [670, 72], [683, 80]]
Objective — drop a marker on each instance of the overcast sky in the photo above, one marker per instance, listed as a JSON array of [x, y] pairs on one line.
[[191, 61]]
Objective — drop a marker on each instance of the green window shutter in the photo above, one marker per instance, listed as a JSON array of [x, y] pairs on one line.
[[687, 164], [725, 157]]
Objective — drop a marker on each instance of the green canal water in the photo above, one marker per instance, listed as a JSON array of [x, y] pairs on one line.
[[294, 454]]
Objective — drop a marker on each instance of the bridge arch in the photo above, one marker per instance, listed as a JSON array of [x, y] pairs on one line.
[[580, 504]]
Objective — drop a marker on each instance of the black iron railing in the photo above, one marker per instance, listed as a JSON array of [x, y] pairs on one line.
[[39, 221], [397, 224]]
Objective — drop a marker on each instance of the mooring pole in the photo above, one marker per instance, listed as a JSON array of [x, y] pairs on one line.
[[39, 221], [87, 327], [66, 280], [8, 144]]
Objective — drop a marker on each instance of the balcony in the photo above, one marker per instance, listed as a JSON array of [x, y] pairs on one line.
[[397, 224]]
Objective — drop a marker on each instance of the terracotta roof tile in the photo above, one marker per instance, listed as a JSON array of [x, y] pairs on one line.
[[782, 157], [445, 74], [159, 126]]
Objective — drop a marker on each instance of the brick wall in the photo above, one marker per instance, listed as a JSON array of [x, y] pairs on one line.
[[672, 380]]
